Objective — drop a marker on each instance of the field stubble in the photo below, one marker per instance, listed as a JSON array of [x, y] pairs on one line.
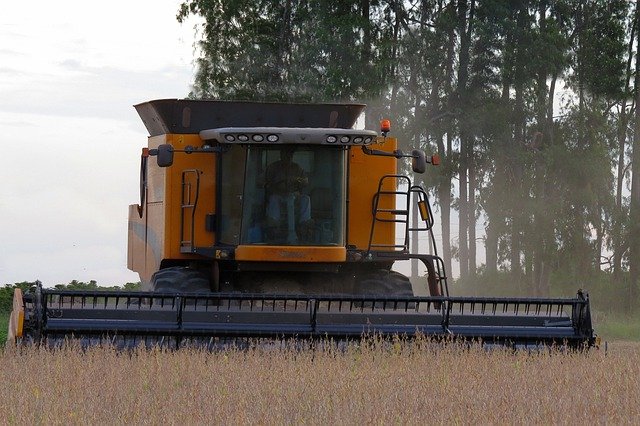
[[420, 383]]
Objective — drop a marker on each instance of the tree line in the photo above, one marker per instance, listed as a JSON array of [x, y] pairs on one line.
[[531, 104], [6, 292]]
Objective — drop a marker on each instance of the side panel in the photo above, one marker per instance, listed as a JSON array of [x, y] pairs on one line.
[[136, 240], [147, 233], [365, 172], [189, 181], [156, 236]]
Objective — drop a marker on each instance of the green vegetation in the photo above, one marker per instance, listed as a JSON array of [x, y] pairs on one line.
[[618, 327], [532, 105], [4, 327], [6, 294]]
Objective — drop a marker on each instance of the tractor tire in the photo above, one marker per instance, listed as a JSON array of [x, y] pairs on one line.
[[180, 279], [384, 283]]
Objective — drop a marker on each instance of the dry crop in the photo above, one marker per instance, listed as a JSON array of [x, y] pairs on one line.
[[369, 384]]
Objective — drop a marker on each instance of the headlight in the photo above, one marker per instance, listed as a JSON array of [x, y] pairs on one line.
[[344, 139], [332, 139], [243, 138], [357, 139], [230, 138], [257, 138], [273, 138], [367, 140]]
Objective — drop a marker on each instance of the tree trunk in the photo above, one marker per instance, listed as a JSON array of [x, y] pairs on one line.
[[623, 121], [445, 151], [537, 145], [634, 225], [491, 248], [548, 225], [463, 208], [517, 216], [444, 197], [472, 215], [464, 29], [415, 242]]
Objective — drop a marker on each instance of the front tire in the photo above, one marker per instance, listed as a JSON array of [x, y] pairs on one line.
[[180, 279], [384, 283]]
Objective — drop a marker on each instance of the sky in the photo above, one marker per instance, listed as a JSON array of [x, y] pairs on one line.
[[70, 73]]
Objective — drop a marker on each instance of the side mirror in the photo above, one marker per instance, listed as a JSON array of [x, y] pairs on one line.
[[165, 155], [418, 161]]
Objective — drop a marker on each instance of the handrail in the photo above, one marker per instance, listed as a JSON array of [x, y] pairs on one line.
[[188, 204], [393, 211]]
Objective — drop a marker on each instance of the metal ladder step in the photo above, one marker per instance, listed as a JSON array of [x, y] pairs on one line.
[[391, 215], [394, 211]]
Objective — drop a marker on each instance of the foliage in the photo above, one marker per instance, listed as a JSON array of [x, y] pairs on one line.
[[6, 292], [93, 285], [285, 50], [528, 104], [615, 326], [4, 328]]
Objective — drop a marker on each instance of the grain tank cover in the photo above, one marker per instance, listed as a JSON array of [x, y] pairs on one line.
[[184, 116]]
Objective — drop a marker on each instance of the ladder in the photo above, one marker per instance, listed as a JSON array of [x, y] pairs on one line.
[[399, 211]]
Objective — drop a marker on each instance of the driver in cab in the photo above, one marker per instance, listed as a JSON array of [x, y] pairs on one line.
[[285, 179]]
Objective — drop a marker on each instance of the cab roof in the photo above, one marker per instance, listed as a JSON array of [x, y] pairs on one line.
[[186, 116]]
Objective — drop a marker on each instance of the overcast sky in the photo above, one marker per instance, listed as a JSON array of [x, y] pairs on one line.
[[70, 73]]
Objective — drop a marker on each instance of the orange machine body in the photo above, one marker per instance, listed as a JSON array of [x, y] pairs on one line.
[[158, 224], [178, 207]]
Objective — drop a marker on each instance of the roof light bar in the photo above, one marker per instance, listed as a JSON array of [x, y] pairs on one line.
[[289, 135]]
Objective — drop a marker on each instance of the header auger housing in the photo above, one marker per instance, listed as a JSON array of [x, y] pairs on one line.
[[273, 220]]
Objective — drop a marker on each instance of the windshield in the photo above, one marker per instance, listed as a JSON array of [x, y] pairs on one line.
[[294, 196]]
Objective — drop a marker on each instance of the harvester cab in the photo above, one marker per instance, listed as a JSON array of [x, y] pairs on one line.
[[263, 197], [282, 220]]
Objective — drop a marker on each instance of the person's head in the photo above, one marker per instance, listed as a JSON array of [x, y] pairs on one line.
[[286, 155]]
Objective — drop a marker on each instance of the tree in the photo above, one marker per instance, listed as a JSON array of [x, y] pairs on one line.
[[285, 50], [478, 81], [634, 214], [6, 294]]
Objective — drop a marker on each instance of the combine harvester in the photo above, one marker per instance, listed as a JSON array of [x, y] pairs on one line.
[[278, 221]]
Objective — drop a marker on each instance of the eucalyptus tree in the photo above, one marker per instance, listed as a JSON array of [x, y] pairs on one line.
[[634, 213], [477, 81], [289, 50]]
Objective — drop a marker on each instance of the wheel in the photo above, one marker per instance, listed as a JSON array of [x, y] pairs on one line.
[[400, 284], [384, 283], [180, 279]]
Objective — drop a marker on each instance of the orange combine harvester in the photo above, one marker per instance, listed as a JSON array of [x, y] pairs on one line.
[[275, 220]]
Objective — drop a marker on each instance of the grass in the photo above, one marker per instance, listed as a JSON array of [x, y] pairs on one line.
[[424, 383], [4, 327], [618, 327]]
